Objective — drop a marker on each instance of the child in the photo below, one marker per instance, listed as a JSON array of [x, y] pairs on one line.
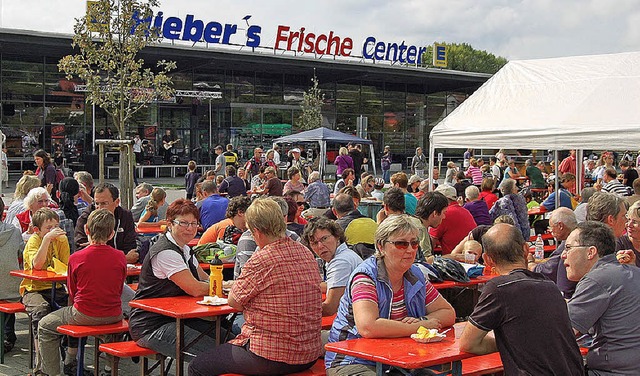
[[47, 243], [150, 212], [95, 280], [191, 178], [472, 248]]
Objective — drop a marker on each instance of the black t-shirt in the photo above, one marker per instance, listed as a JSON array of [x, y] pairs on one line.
[[531, 324], [631, 174]]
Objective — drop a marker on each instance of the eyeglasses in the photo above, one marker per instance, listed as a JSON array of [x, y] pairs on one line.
[[403, 244], [301, 203], [322, 240], [568, 248], [186, 224]]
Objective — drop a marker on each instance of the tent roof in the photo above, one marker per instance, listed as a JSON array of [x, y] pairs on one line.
[[581, 102], [321, 134]]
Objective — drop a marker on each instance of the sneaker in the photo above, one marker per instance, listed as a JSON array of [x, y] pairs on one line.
[[71, 369]]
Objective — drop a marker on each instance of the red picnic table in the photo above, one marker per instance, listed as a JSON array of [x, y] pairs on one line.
[[538, 210], [181, 308], [405, 353]]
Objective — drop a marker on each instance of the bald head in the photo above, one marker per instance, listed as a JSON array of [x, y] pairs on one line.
[[504, 244]]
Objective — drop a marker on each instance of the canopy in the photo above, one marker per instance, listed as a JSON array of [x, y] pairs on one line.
[[580, 102], [322, 136]]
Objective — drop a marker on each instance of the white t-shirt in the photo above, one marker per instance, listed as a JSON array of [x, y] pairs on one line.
[[168, 262]]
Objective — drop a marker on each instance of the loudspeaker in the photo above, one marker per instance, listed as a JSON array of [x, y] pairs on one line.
[[157, 160]]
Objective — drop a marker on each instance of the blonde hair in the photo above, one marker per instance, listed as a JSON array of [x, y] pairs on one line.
[[395, 224], [343, 151], [265, 215], [24, 185], [42, 215], [472, 245], [157, 195]]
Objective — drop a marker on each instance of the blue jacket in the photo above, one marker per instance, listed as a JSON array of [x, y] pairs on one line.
[[344, 327]]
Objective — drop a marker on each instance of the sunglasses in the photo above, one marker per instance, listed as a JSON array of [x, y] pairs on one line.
[[403, 244]]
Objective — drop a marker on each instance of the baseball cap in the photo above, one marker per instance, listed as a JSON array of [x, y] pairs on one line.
[[295, 150], [414, 179], [448, 191]]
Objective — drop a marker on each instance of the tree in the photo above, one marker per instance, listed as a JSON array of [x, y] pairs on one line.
[[312, 100], [109, 39], [463, 57]]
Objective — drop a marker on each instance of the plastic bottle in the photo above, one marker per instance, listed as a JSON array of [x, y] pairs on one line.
[[538, 255], [215, 277]]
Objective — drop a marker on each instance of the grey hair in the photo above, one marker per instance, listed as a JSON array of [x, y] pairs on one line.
[[395, 224], [282, 203], [34, 195], [472, 192], [508, 186], [314, 176], [566, 216], [603, 204]]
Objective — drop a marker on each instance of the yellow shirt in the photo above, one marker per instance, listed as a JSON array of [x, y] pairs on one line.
[[58, 248], [361, 230]]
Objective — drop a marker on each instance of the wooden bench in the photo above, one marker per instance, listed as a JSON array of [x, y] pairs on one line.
[[8, 308], [82, 332], [130, 349], [316, 370]]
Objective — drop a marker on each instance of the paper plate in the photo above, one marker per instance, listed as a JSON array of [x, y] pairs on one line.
[[213, 301], [437, 338]]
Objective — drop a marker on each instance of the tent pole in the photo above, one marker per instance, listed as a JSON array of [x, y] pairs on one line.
[[373, 159], [323, 158], [432, 151], [557, 179], [579, 170]]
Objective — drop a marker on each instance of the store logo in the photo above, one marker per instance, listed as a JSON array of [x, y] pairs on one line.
[[194, 30]]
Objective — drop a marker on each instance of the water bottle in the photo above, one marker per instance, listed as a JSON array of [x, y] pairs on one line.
[[538, 255], [215, 277]]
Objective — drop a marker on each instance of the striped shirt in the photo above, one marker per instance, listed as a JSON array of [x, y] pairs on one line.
[[475, 173], [363, 288]]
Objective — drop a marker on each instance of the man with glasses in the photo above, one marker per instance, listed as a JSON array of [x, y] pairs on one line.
[[606, 302], [561, 223], [107, 196]]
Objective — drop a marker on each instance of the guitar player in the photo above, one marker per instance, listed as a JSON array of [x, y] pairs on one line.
[[168, 140]]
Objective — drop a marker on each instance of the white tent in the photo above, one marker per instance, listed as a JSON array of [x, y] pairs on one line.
[[581, 102]]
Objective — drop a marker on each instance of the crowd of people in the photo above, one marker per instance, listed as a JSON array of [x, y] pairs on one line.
[[298, 239]]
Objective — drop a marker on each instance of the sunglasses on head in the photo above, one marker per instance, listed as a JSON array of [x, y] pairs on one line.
[[403, 244]]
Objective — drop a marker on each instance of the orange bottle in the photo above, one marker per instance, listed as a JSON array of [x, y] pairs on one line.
[[215, 277]]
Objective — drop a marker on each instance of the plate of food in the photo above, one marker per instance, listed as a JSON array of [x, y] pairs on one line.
[[425, 335], [212, 301]]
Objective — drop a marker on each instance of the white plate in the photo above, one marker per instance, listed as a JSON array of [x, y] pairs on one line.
[[437, 338], [213, 302]]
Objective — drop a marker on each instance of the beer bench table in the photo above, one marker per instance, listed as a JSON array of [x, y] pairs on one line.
[[406, 354], [181, 308]]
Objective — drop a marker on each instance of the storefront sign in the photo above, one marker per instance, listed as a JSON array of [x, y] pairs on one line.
[[288, 39]]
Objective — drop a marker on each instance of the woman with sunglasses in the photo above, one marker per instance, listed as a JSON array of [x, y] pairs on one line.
[[387, 297], [170, 269]]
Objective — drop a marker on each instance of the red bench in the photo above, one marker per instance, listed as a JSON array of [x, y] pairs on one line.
[[130, 349], [8, 308], [482, 365], [316, 370], [83, 331]]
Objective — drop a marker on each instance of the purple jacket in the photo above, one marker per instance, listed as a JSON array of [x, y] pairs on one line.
[[479, 211], [343, 162]]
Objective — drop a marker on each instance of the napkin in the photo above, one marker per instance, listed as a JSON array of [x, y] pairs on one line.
[[58, 267]]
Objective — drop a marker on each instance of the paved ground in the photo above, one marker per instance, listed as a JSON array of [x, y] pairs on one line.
[[17, 361]]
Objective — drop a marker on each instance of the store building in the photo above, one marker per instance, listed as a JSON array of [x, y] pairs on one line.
[[262, 93]]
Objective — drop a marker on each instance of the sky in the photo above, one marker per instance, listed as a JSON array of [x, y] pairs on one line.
[[524, 29]]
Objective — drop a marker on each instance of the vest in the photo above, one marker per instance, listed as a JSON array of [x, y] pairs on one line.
[[344, 325], [141, 322]]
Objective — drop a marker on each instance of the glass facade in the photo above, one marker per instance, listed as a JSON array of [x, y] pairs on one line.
[[40, 108]]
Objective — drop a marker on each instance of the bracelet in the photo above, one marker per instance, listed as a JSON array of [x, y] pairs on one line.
[[424, 318]]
